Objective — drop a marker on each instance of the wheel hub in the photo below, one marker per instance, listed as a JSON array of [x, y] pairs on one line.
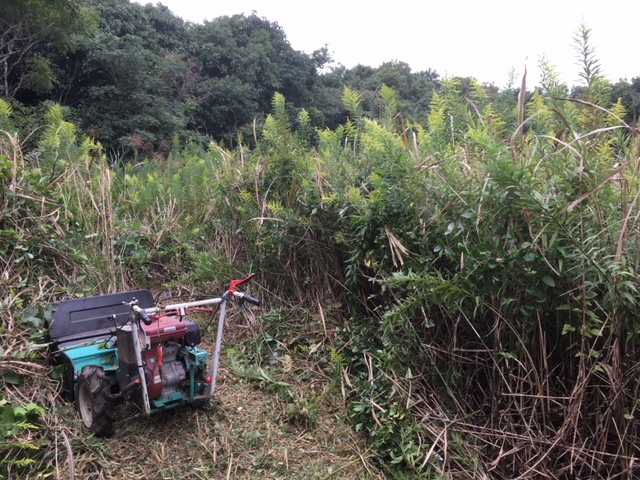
[[85, 405]]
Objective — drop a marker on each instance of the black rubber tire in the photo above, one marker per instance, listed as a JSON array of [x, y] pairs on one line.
[[94, 401], [197, 404], [67, 376]]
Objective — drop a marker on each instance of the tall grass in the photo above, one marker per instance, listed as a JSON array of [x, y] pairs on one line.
[[504, 319]]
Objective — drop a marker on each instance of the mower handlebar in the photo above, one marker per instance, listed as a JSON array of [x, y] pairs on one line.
[[183, 307], [247, 298], [142, 314], [234, 284]]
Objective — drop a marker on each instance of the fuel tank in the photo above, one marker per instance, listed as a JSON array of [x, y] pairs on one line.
[[164, 329]]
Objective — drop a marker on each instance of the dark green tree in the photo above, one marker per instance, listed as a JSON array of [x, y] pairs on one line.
[[132, 99], [414, 90], [244, 61], [158, 28], [327, 107], [131, 83], [629, 93], [31, 29]]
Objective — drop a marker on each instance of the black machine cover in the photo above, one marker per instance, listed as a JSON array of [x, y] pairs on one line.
[[83, 319]]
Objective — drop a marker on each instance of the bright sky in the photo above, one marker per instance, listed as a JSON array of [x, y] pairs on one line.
[[479, 38]]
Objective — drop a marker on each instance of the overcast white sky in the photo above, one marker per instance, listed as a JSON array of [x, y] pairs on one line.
[[481, 38]]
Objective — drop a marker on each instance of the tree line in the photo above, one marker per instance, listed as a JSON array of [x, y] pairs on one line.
[[137, 78]]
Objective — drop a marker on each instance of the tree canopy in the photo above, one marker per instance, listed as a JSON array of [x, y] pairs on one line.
[[31, 29], [138, 78], [243, 61]]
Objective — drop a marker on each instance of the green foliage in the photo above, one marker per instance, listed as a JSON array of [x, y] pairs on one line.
[[629, 94], [245, 61], [413, 89], [31, 27], [15, 445], [6, 128], [132, 100], [550, 81], [15, 420], [591, 72], [352, 102], [488, 253]]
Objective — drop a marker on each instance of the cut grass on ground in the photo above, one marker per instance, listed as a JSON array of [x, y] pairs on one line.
[[273, 425]]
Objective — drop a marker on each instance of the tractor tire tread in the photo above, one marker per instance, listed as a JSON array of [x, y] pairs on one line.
[[101, 411]]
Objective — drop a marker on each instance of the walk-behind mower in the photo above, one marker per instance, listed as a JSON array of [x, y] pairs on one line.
[[123, 347]]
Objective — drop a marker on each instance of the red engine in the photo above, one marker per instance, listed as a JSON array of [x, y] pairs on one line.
[[161, 342], [164, 372]]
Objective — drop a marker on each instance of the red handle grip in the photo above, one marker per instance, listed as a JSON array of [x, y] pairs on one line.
[[236, 283]]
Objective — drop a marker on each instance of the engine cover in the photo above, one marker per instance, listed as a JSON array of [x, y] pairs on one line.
[[165, 329]]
